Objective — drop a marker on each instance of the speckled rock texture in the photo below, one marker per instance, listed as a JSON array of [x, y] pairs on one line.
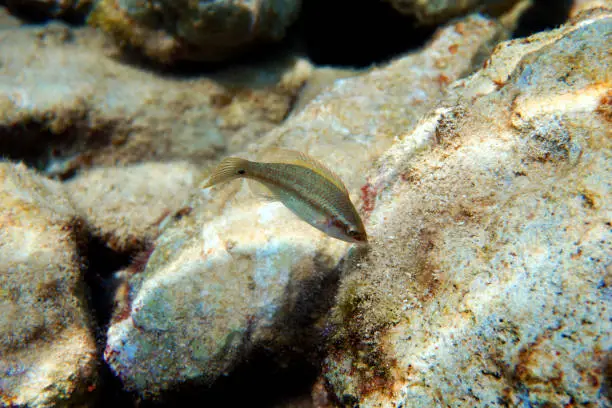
[[124, 206], [436, 11], [92, 109], [236, 273], [207, 30], [487, 282], [48, 353]]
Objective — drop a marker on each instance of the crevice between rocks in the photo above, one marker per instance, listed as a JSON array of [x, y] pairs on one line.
[[55, 154], [543, 15], [100, 264]]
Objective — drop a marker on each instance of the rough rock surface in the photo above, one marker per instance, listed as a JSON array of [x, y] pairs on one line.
[[435, 11], [487, 282], [238, 273], [124, 206], [46, 342], [91, 109], [205, 30]]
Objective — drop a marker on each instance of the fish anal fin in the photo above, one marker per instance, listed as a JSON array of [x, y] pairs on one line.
[[280, 155]]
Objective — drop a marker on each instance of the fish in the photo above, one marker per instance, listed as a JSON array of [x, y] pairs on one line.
[[304, 185]]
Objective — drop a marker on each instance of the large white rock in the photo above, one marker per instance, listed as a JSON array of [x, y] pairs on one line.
[[487, 281]]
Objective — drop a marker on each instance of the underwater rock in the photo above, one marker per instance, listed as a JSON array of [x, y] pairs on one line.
[[124, 206], [582, 5], [430, 12], [237, 274], [46, 340], [203, 31], [350, 123], [7, 20], [66, 105], [37, 9], [321, 78], [488, 277]]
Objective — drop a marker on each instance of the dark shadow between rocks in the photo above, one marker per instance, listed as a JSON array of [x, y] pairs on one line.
[[43, 11], [543, 15], [257, 55], [358, 34], [102, 262], [260, 382], [340, 33], [58, 155]]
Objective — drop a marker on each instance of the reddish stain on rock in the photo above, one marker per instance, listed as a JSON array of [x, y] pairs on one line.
[[443, 79], [368, 196]]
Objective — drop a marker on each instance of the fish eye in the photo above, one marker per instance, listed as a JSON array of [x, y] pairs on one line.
[[352, 232]]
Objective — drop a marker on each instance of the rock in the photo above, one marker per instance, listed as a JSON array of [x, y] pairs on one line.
[[353, 121], [71, 9], [487, 282], [205, 30], [431, 12], [7, 20], [320, 78], [582, 5], [66, 105], [238, 274], [124, 206], [46, 341]]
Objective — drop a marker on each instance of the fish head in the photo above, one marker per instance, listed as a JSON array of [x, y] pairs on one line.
[[353, 232]]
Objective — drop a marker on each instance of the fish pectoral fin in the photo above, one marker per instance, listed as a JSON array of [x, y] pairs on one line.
[[261, 191], [279, 155]]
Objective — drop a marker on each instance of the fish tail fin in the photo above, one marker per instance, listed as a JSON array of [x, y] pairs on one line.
[[229, 169]]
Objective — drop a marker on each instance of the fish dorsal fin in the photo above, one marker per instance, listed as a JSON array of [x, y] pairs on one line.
[[279, 155]]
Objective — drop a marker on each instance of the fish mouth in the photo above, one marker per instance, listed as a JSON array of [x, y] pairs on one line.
[[362, 239]]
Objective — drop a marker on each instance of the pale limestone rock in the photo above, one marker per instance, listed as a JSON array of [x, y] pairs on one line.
[[124, 206], [487, 281], [67, 104], [239, 273], [46, 340]]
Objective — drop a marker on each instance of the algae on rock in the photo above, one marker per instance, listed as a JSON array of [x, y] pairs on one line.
[[487, 280]]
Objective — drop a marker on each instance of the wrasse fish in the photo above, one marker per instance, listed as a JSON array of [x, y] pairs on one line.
[[304, 185]]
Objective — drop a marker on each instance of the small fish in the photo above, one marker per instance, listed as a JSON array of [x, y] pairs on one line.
[[305, 186]]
